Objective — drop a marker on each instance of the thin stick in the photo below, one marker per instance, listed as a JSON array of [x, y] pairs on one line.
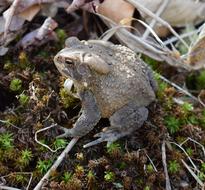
[[56, 163], [8, 188], [186, 155], [42, 144], [151, 162], [168, 185], [154, 21], [7, 122], [194, 141], [193, 174], [180, 89], [163, 22]]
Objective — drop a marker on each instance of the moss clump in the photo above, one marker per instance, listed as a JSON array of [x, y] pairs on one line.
[[109, 176], [172, 124], [173, 167], [23, 60], [23, 99], [6, 141], [15, 84], [67, 98]]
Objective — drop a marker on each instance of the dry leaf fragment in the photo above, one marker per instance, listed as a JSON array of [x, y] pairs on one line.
[[116, 10], [196, 55], [178, 12], [40, 36], [88, 5]]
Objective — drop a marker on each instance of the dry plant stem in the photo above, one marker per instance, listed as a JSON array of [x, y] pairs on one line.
[[46, 146], [56, 163], [181, 89], [133, 42], [186, 155], [7, 122], [193, 174], [8, 188], [168, 185], [152, 163], [11, 14], [194, 141], [154, 21], [151, 14], [174, 39], [13, 188]]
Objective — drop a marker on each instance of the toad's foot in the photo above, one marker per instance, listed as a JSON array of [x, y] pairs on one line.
[[67, 133], [109, 135]]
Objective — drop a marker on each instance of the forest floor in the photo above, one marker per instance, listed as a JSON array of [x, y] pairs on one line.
[[32, 97]]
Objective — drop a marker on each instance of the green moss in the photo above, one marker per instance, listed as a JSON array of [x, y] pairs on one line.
[[189, 151], [24, 159], [66, 98], [172, 124], [150, 168], [67, 176], [114, 149], [9, 66], [6, 141], [43, 166], [61, 34], [173, 167], [15, 84], [23, 60], [23, 99], [60, 143], [109, 176]]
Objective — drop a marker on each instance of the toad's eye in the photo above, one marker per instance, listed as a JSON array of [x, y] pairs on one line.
[[69, 62]]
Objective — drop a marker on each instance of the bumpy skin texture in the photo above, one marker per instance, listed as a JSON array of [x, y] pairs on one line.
[[111, 82]]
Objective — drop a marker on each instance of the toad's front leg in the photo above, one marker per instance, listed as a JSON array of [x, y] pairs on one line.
[[87, 120]]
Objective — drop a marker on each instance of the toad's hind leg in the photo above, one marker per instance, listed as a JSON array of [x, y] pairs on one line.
[[123, 122]]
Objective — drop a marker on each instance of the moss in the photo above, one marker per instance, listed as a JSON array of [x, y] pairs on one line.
[[172, 124], [23, 99], [23, 60], [15, 84], [67, 98], [109, 176], [173, 167]]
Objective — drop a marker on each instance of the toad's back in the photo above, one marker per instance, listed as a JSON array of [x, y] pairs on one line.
[[127, 81]]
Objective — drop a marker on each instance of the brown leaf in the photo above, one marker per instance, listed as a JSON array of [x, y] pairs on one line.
[[196, 55], [30, 12], [116, 10]]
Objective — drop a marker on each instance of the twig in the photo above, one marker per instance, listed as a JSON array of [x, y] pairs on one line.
[[186, 155], [153, 21], [7, 122], [8, 188], [168, 185], [163, 22], [56, 163], [180, 89], [194, 141], [174, 39], [193, 174], [151, 162], [2, 186], [42, 144]]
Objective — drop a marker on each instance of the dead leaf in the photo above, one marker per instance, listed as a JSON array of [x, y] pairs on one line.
[[196, 54], [178, 12], [39, 36], [30, 12], [117, 10], [88, 5]]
